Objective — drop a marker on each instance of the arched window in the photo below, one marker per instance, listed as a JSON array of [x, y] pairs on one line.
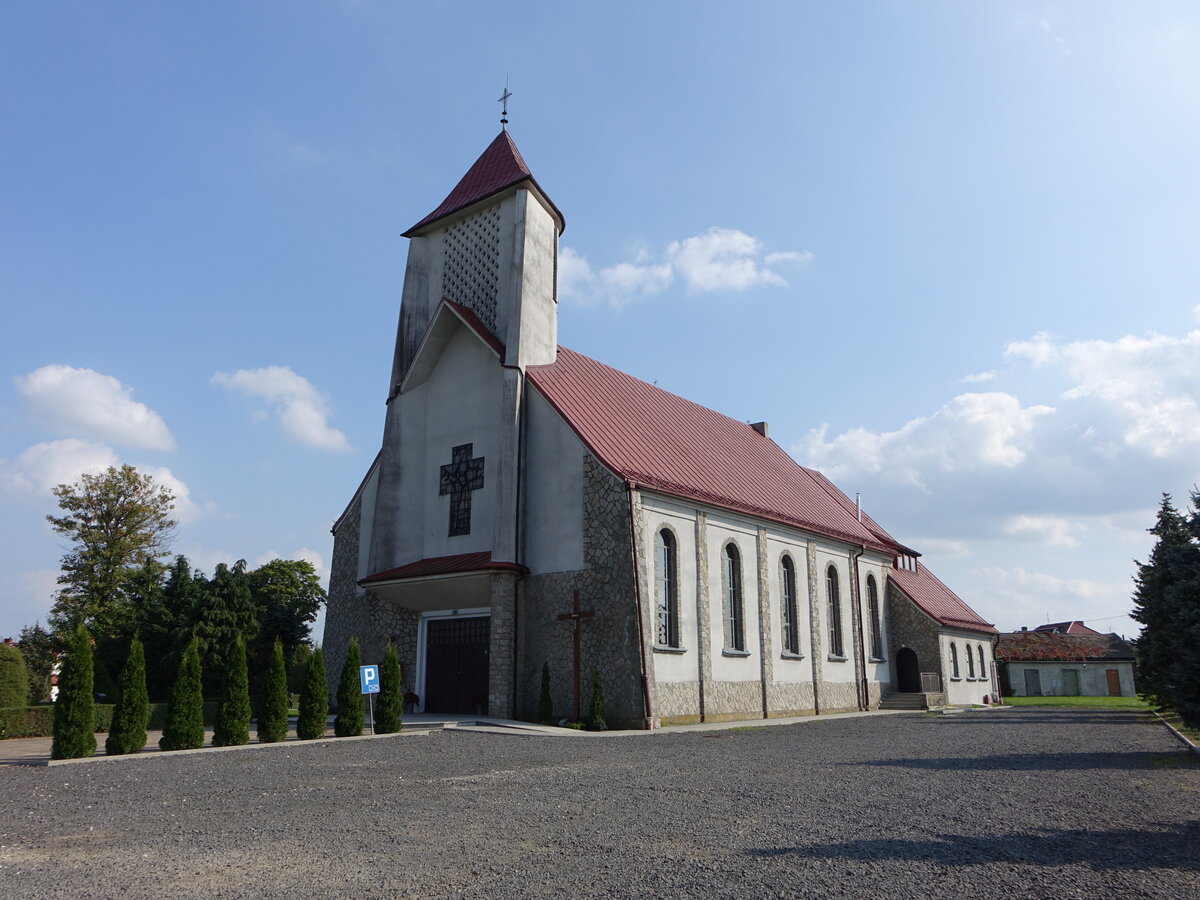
[[954, 661], [836, 646], [787, 593], [970, 661], [734, 637], [666, 586], [982, 668], [876, 624]]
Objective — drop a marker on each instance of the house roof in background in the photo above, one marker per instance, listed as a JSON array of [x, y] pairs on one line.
[[1046, 645], [1075, 627], [937, 601]]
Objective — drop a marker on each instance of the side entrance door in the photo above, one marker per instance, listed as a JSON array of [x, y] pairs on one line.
[[1114, 682], [1033, 683], [456, 665]]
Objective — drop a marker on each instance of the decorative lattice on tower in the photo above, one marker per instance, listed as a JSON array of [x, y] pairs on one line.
[[471, 274]]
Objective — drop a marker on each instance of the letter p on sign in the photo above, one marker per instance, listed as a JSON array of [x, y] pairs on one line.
[[370, 679]]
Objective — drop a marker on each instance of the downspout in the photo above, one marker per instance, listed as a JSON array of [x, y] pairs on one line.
[[864, 695], [637, 601], [519, 535]]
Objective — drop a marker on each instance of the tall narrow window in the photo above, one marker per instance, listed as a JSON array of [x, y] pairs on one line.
[[667, 589], [836, 646], [982, 669], [970, 661], [787, 592], [954, 661], [734, 638], [876, 626]]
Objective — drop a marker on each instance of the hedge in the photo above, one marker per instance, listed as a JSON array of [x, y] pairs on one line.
[[38, 721]]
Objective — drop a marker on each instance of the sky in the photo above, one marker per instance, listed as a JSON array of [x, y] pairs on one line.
[[946, 250]]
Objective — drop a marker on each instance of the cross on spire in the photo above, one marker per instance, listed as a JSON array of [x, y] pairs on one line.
[[504, 99], [459, 478]]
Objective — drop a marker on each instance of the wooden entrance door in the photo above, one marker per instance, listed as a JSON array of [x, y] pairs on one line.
[[1114, 682], [456, 665]]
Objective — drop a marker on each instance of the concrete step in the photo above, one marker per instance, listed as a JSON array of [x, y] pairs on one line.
[[903, 701]]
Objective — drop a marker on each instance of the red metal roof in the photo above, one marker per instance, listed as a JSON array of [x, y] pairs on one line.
[[661, 441], [444, 565], [937, 601], [500, 166], [473, 322]]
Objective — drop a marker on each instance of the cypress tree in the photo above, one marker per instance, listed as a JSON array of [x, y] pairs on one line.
[[596, 715], [314, 699], [273, 720], [545, 705], [75, 709], [128, 731], [185, 717], [14, 680], [389, 710], [349, 719], [232, 727]]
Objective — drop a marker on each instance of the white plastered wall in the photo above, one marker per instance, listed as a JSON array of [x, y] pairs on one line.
[[726, 665], [789, 669], [878, 566], [683, 664], [552, 481], [834, 669], [967, 688]]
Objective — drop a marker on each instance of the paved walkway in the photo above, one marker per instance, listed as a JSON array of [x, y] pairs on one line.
[[36, 751]]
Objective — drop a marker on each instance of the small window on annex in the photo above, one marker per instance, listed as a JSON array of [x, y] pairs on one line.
[[970, 661], [954, 673], [876, 623], [982, 667], [836, 645], [734, 626], [791, 625], [666, 565]]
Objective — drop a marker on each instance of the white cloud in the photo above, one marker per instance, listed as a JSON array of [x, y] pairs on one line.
[[1054, 531], [40, 587], [941, 547], [301, 408], [971, 432], [980, 377], [85, 403], [720, 259], [185, 509], [1039, 349], [1029, 598], [43, 466]]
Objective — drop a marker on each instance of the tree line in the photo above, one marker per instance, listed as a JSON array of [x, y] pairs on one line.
[[119, 581]]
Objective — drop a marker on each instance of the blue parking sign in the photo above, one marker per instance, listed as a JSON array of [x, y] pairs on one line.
[[370, 679]]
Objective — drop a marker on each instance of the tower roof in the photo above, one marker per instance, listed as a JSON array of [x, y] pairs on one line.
[[498, 168]]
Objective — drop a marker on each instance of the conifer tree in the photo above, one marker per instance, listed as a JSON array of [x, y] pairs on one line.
[[349, 719], [14, 680], [75, 709], [545, 705], [389, 710], [127, 734], [185, 717], [596, 720], [298, 670], [314, 699], [232, 727], [273, 720]]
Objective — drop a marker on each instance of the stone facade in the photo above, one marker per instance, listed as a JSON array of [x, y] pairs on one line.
[[346, 612], [910, 627], [609, 642]]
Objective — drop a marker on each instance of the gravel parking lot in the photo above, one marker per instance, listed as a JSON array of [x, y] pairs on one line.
[[1026, 803]]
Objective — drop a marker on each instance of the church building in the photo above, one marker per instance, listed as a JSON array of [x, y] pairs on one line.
[[531, 507]]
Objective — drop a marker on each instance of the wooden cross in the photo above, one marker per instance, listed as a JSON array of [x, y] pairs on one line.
[[576, 615]]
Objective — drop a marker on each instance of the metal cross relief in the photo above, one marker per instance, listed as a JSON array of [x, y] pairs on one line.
[[459, 478]]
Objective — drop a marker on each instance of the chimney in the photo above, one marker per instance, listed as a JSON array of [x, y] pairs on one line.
[[858, 504], [760, 427]]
